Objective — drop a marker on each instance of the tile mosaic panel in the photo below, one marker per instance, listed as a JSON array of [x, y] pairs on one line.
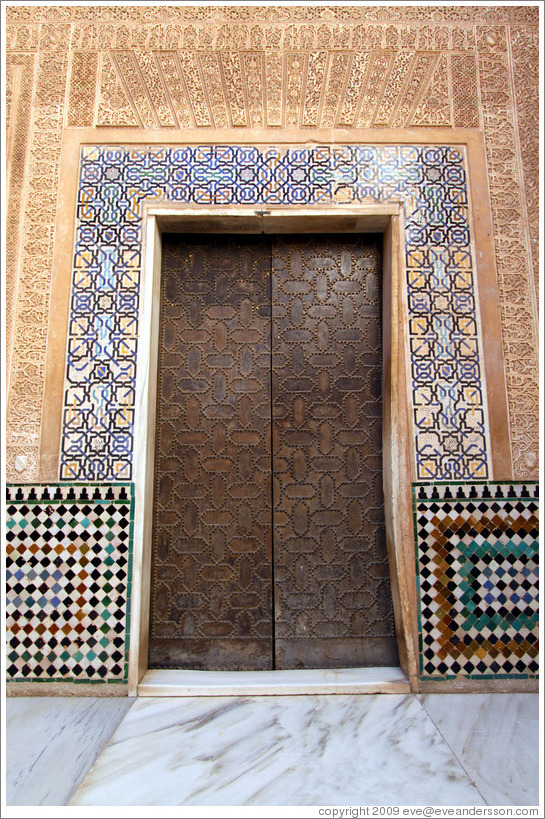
[[477, 567], [68, 581], [449, 414]]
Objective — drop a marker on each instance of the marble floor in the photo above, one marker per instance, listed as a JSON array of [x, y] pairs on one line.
[[342, 750]]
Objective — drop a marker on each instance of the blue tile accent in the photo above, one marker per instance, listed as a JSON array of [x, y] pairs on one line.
[[430, 181]]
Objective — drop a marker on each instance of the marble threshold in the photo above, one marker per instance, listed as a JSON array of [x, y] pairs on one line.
[[181, 683], [267, 751]]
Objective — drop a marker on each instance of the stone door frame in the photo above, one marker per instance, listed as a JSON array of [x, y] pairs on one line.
[[398, 470]]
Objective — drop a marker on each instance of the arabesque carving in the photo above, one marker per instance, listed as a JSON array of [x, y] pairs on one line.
[[525, 66], [512, 257], [226, 89], [19, 68], [268, 67]]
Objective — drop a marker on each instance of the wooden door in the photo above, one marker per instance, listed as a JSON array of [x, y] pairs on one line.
[[211, 577], [333, 605], [215, 560]]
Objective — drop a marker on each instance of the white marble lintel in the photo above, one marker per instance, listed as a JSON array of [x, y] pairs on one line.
[[180, 683]]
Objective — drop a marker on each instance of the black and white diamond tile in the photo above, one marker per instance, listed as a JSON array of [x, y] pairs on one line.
[[69, 550], [477, 556]]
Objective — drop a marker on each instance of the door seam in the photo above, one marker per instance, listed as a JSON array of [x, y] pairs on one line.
[[271, 396]]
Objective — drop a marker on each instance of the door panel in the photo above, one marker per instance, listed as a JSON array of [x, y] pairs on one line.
[[214, 563], [211, 586], [333, 604]]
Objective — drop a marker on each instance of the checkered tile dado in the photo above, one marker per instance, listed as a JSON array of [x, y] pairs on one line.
[[68, 582], [477, 567], [429, 181]]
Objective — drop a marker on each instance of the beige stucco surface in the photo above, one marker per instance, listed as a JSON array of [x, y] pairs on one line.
[[268, 74]]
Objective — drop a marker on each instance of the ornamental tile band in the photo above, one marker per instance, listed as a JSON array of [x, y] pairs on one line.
[[68, 582], [477, 567], [446, 360]]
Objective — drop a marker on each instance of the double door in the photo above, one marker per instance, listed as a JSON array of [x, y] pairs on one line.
[[268, 532]]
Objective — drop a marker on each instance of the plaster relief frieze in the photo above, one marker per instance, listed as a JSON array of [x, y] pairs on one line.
[[272, 67], [317, 62], [156, 90], [349, 104], [213, 80], [338, 67], [419, 71], [142, 13], [55, 37], [31, 308], [83, 82], [524, 43], [463, 38], [22, 37], [491, 38], [328, 88], [232, 72], [169, 67], [129, 69], [519, 337], [393, 90], [90, 36], [434, 109], [114, 108], [295, 66], [465, 104], [195, 90], [246, 35], [19, 69], [254, 72], [379, 69]]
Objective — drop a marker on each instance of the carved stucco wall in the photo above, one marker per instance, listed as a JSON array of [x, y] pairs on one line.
[[268, 68]]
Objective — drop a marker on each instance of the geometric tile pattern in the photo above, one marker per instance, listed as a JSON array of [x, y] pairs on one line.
[[429, 180], [477, 571], [68, 582]]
